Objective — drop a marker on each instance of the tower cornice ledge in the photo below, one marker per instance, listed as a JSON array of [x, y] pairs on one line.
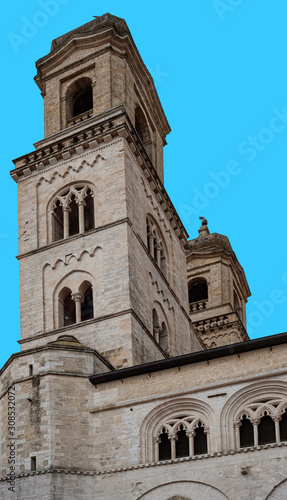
[[94, 134]]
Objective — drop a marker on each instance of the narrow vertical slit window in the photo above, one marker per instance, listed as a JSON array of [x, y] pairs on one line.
[[87, 310], [246, 432], [73, 217], [182, 443], [89, 211], [33, 464], [57, 222], [200, 440], [164, 446], [266, 430]]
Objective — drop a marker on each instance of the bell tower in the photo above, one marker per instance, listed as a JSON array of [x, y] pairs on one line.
[[101, 248], [217, 289]]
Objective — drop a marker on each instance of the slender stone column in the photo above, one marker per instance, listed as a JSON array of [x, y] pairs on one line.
[[66, 211], [158, 254], [277, 419], [190, 435], [237, 426], [156, 442], [207, 432], [78, 299], [151, 244], [173, 440], [255, 424], [81, 204], [156, 332]]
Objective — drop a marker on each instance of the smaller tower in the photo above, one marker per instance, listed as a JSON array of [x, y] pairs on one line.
[[217, 289]]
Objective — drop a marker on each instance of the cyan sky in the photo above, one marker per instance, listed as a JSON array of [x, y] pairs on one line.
[[220, 71]]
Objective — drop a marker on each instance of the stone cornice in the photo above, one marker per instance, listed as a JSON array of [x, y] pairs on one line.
[[91, 134], [75, 326], [72, 238], [145, 465], [221, 322], [53, 346]]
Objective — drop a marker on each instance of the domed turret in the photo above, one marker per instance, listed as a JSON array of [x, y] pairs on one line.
[[217, 288]]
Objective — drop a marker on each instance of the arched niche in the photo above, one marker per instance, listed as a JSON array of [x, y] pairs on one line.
[[79, 98]]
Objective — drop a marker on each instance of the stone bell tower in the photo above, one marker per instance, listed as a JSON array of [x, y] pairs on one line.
[[101, 247], [217, 288]]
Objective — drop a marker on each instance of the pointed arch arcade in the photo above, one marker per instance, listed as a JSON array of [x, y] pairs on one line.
[[71, 211]]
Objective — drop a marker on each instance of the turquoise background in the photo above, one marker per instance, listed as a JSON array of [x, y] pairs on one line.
[[220, 71]]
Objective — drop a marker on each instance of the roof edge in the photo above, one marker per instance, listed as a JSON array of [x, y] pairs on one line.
[[194, 357]]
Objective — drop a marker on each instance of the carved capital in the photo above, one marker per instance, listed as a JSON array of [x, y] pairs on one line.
[[77, 297], [255, 421], [173, 437], [237, 424], [277, 418], [190, 434]]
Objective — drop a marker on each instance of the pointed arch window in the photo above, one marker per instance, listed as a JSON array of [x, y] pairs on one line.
[[261, 422], [246, 433], [266, 430], [181, 436], [156, 245], [164, 446], [72, 212]]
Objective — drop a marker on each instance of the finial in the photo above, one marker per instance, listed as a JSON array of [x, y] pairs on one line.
[[203, 221], [203, 230]]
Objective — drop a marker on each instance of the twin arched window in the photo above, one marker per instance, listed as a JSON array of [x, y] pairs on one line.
[[155, 244], [182, 436], [75, 307], [72, 212], [159, 330], [260, 423]]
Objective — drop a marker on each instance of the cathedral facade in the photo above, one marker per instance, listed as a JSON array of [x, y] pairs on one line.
[[136, 377]]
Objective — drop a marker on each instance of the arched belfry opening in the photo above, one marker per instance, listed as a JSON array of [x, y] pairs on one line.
[[197, 290], [87, 309], [67, 310], [143, 131], [79, 98]]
